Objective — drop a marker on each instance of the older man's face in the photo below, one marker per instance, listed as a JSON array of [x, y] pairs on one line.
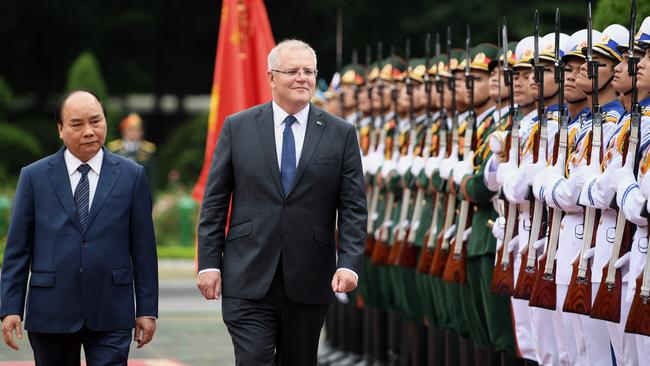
[[293, 90], [83, 125]]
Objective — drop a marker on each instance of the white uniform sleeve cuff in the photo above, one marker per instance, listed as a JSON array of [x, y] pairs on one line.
[[209, 270]]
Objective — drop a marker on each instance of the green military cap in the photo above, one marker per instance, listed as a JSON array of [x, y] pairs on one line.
[[418, 69], [481, 56], [393, 68], [512, 58], [373, 72], [353, 74], [457, 62], [437, 66]]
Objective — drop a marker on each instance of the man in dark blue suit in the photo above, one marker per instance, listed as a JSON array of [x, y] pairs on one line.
[[81, 226]]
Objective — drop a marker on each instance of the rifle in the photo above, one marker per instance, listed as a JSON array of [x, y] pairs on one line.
[[607, 304], [426, 257], [455, 269], [544, 288], [382, 247], [380, 237], [503, 274], [403, 254], [441, 252], [578, 298], [528, 268]]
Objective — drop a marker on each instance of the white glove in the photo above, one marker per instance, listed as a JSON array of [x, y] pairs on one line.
[[404, 164], [539, 182], [466, 234], [374, 161], [522, 247], [589, 253], [499, 228], [532, 170], [446, 165], [540, 243], [513, 244], [580, 176], [450, 232], [387, 167], [495, 144], [499, 246], [431, 165], [463, 168], [417, 165], [504, 170], [624, 260]]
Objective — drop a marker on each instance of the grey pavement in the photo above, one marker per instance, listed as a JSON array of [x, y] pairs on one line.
[[189, 329]]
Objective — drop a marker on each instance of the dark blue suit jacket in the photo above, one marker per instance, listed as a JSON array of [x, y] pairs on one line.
[[101, 278]]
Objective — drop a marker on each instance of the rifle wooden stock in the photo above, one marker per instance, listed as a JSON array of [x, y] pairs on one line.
[[638, 321], [370, 245], [544, 289], [503, 274], [380, 252], [456, 267], [426, 257], [578, 297], [407, 255], [441, 253], [607, 304], [395, 248], [529, 266]]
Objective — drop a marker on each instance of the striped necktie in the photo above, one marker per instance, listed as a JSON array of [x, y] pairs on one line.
[[82, 195]]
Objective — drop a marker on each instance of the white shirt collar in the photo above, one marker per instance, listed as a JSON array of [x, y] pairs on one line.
[[485, 113], [72, 162], [279, 115]]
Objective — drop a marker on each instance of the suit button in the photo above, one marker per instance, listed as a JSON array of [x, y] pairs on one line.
[[84, 242], [81, 270]]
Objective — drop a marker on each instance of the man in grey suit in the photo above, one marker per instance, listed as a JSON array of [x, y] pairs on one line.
[[288, 168]]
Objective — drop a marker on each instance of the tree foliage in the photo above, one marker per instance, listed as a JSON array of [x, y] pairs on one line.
[[86, 74], [6, 98], [18, 148], [618, 12]]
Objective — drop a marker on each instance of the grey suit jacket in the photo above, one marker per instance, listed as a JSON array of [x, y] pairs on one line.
[[264, 223]]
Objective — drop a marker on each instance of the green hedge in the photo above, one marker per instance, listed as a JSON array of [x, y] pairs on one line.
[[184, 150], [618, 12]]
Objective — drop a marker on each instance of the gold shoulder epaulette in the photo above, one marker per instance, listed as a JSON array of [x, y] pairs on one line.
[[147, 146], [115, 145]]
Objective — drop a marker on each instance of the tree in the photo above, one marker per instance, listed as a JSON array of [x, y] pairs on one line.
[[618, 12], [85, 74], [6, 99]]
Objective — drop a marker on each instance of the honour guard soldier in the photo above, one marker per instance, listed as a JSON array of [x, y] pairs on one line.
[[132, 146], [633, 191], [564, 193]]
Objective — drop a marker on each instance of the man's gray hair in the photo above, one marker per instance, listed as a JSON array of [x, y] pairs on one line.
[[287, 45]]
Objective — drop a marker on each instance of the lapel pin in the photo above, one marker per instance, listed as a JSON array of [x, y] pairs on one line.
[[319, 123]]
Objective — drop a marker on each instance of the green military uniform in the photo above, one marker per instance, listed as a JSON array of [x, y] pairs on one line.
[[495, 328]]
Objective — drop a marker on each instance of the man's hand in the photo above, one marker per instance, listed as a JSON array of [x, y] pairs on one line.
[[209, 283], [145, 327], [343, 281], [10, 324]]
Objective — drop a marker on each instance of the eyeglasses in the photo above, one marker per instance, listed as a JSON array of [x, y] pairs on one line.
[[310, 73]]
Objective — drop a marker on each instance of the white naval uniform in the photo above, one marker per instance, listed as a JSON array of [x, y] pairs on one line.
[[591, 335], [631, 196], [598, 193]]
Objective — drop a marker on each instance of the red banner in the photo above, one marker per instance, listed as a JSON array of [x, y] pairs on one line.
[[240, 80]]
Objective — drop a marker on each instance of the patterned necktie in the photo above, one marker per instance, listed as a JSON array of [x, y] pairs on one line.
[[288, 165], [82, 195]]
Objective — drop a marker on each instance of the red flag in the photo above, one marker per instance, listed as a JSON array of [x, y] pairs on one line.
[[240, 82]]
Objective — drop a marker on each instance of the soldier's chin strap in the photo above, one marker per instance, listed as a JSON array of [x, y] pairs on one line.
[[609, 81]]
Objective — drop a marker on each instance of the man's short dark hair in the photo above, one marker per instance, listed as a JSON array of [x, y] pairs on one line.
[[58, 113]]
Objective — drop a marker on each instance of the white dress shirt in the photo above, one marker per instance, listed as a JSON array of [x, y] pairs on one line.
[[298, 128], [95, 163]]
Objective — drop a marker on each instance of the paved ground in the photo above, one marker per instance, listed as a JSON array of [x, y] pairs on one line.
[[190, 330]]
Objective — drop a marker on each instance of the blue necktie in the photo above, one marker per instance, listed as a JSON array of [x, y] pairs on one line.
[[288, 164], [82, 195]]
